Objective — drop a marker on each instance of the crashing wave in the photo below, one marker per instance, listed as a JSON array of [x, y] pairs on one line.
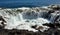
[[24, 18]]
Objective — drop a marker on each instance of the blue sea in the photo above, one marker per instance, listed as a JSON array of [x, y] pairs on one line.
[[27, 3]]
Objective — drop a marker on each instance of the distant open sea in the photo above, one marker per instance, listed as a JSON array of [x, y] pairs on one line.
[[26, 3]]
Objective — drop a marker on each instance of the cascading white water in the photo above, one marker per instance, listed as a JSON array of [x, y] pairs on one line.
[[24, 20]]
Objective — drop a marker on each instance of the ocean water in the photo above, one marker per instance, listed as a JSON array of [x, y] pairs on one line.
[[27, 3]]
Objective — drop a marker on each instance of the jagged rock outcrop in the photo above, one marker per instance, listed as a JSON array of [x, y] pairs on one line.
[[54, 7]]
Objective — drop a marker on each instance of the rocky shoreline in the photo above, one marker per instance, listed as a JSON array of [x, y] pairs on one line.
[[54, 26]]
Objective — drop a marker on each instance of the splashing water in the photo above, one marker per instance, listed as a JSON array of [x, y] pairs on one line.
[[24, 18]]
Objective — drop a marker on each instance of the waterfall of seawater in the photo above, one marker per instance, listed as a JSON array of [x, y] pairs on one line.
[[25, 19]]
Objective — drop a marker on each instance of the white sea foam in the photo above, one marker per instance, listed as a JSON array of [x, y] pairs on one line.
[[24, 20]]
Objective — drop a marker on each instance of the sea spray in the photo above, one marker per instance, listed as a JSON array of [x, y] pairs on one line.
[[24, 19]]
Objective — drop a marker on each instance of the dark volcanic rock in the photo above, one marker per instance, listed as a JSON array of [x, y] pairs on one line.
[[52, 25], [25, 32], [55, 7]]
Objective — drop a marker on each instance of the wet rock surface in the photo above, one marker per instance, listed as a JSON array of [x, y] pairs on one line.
[[51, 31]]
